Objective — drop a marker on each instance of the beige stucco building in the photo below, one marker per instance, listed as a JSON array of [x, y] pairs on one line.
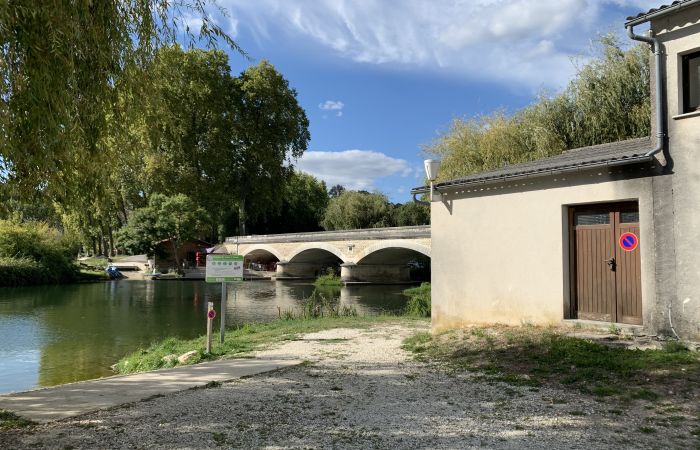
[[607, 233]]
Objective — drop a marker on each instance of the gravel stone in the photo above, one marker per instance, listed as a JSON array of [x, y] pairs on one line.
[[359, 389]]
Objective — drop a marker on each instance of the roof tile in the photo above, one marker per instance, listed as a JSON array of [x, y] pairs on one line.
[[623, 152], [653, 10]]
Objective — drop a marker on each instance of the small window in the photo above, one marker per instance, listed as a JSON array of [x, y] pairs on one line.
[[691, 82], [629, 217], [592, 218]]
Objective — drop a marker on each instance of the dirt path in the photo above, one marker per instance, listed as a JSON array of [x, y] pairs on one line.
[[358, 389]]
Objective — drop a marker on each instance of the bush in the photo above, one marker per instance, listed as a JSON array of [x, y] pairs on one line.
[[34, 253], [328, 280], [418, 300], [22, 272]]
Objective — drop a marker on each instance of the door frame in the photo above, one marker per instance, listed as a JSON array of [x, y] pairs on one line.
[[615, 207]]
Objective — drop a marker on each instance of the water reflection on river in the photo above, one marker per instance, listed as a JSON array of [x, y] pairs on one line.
[[58, 334]]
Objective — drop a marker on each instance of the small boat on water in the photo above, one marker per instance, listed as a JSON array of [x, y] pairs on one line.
[[152, 276], [113, 272]]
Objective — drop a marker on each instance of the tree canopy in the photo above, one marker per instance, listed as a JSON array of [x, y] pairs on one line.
[[607, 101], [176, 218], [353, 209], [62, 64]]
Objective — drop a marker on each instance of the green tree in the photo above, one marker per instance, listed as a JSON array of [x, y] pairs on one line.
[[61, 63], [176, 218], [304, 201], [271, 130], [608, 100], [410, 214], [189, 120], [336, 190], [354, 210]]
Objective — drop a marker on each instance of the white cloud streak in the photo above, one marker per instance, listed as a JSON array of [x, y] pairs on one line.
[[330, 105], [354, 169], [528, 42]]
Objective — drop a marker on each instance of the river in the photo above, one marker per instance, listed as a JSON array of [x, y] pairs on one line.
[[59, 334]]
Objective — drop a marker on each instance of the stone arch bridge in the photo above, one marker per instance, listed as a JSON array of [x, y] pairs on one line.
[[369, 255]]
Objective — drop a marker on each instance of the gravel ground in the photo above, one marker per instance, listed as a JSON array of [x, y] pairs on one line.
[[360, 390]]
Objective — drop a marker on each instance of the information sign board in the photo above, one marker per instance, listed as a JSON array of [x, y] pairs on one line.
[[224, 268]]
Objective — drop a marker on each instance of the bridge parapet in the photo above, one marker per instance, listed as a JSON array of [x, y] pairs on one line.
[[364, 255], [414, 232]]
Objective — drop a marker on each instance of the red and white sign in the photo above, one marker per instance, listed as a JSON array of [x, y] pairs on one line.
[[211, 314], [628, 241]]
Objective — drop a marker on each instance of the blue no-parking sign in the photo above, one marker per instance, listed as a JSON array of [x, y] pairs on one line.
[[628, 241]]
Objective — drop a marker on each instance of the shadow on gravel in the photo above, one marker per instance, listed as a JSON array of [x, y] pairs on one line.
[[372, 405]]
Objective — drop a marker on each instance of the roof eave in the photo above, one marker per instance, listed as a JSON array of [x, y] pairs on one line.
[[659, 12], [539, 173]]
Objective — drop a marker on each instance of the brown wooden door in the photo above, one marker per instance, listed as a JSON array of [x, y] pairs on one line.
[[606, 274]]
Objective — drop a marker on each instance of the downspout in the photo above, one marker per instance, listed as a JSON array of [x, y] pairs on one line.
[[420, 202], [656, 48]]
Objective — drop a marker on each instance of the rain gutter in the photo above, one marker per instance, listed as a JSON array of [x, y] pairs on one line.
[[555, 171]]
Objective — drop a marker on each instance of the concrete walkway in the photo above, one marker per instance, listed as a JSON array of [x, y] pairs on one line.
[[44, 405]]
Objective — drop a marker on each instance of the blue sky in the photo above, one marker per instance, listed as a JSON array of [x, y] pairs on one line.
[[380, 78]]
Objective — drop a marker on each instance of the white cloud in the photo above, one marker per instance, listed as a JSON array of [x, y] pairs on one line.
[[528, 42], [354, 169], [330, 105]]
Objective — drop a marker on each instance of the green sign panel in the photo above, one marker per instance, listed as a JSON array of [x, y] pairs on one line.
[[224, 268]]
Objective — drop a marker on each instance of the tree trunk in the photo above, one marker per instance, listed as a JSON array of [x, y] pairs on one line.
[[177, 257], [241, 217], [111, 240], [126, 215]]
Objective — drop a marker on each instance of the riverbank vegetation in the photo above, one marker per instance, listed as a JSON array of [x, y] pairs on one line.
[[328, 280], [241, 340], [419, 300], [35, 253]]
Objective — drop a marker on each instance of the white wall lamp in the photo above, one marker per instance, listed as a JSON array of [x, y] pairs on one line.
[[432, 166], [431, 172]]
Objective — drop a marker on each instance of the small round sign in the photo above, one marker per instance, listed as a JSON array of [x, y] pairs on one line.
[[211, 314], [628, 241]]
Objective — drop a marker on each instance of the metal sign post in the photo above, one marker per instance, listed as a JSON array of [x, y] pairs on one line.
[[210, 318], [224, 297], [224, 269]]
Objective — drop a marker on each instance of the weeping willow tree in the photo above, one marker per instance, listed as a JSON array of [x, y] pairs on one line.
[[61, 66], [608, 100]]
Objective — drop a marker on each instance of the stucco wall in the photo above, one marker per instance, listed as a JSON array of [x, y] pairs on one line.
[[678, 273], [500, 255]]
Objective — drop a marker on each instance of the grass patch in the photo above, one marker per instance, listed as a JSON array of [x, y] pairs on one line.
[[329, 280], [417, 343], [318, 305], [533, 355], [419, 301], [10, 420], [240, 340], [93, 275]]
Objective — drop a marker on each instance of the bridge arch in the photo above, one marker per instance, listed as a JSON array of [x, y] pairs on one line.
[[401, 247], [300, 252], [257, 249]]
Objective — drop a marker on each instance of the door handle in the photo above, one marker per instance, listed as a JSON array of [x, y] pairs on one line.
[[611, 263]]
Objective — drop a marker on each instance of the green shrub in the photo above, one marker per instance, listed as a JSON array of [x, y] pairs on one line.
[[418, 300], [22, 272], [328, 280], [34, 253]]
